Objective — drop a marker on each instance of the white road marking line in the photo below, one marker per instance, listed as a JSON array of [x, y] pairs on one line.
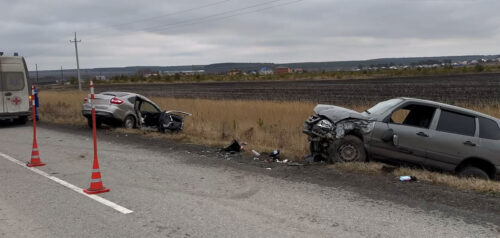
[[70, 186]]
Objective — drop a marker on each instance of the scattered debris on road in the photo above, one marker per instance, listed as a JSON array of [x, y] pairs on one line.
[[407, 178], [235, 146]]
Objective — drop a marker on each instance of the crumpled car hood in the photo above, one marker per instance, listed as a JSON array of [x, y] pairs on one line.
[[336, 114]]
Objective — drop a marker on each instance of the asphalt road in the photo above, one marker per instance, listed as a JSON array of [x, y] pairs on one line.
[[171, 196]]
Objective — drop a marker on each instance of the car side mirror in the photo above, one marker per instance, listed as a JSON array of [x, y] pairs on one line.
[[388, 135]]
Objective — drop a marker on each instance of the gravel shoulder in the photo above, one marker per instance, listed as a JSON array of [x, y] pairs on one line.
[[469, 206]]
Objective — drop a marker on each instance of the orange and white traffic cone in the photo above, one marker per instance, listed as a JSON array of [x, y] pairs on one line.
[[95, 180], [35, 155]]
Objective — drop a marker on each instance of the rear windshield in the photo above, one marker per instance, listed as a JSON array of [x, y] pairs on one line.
[[488, 129], [12, 81]]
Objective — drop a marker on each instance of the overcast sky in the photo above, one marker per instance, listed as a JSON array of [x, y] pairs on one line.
[[174, 32]]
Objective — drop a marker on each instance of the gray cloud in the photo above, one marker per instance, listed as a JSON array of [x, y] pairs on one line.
[[309, 30]]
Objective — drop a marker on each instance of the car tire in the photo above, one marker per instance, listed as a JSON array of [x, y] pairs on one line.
[[473, 172], [21, 120], [348, 149], [97, 123], [129, 122]]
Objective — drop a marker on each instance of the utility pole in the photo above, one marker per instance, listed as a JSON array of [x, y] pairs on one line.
[[77, 61], [36, 67], [62, 76]]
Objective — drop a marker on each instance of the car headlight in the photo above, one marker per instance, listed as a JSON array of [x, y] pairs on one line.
[[326, 124]]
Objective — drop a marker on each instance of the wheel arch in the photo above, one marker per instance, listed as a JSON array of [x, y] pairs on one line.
[[134, 116], [480, 163]]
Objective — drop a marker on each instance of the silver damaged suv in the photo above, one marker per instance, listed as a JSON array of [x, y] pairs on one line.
[[409, 130]]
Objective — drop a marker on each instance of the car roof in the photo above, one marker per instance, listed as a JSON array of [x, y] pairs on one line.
[[450, 107], [121, 94], [128, 94]]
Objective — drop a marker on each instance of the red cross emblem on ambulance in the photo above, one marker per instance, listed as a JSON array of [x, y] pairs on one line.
[[16, 100]]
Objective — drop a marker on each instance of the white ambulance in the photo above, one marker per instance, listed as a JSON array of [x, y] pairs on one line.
[[14, 89]]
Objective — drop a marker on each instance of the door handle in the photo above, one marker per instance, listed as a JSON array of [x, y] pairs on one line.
[[422, 134], [8, 94], [469, 143]]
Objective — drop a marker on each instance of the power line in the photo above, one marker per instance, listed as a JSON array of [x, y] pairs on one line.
[[232, 15], [161, 16], [217, 16], [150, 18], [210, 18]]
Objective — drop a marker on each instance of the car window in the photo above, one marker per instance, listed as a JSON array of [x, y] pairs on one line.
[[131, 100], [413, 115], [13, 81], [148, 107], [488, 129], [456, 123]]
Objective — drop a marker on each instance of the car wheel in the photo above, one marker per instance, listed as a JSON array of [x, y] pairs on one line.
[[21, 120], [97, 123], [349, 149], [129, 122], [473, 172]]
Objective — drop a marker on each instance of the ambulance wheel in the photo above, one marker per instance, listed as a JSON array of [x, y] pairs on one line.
[[21, 120]]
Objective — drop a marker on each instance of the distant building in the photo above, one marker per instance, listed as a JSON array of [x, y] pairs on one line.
[[265, 71], [298, 70], [282, 70], [234, 72], [183, 72], [152, 74], [100, 77]]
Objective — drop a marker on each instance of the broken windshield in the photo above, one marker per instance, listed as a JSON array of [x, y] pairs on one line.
[[381, 107]]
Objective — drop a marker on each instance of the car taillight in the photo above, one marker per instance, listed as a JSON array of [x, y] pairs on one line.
[[116, 101]]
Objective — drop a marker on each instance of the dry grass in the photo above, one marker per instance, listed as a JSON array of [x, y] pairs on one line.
[[423, 175], [62, 107], [264, 125]]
